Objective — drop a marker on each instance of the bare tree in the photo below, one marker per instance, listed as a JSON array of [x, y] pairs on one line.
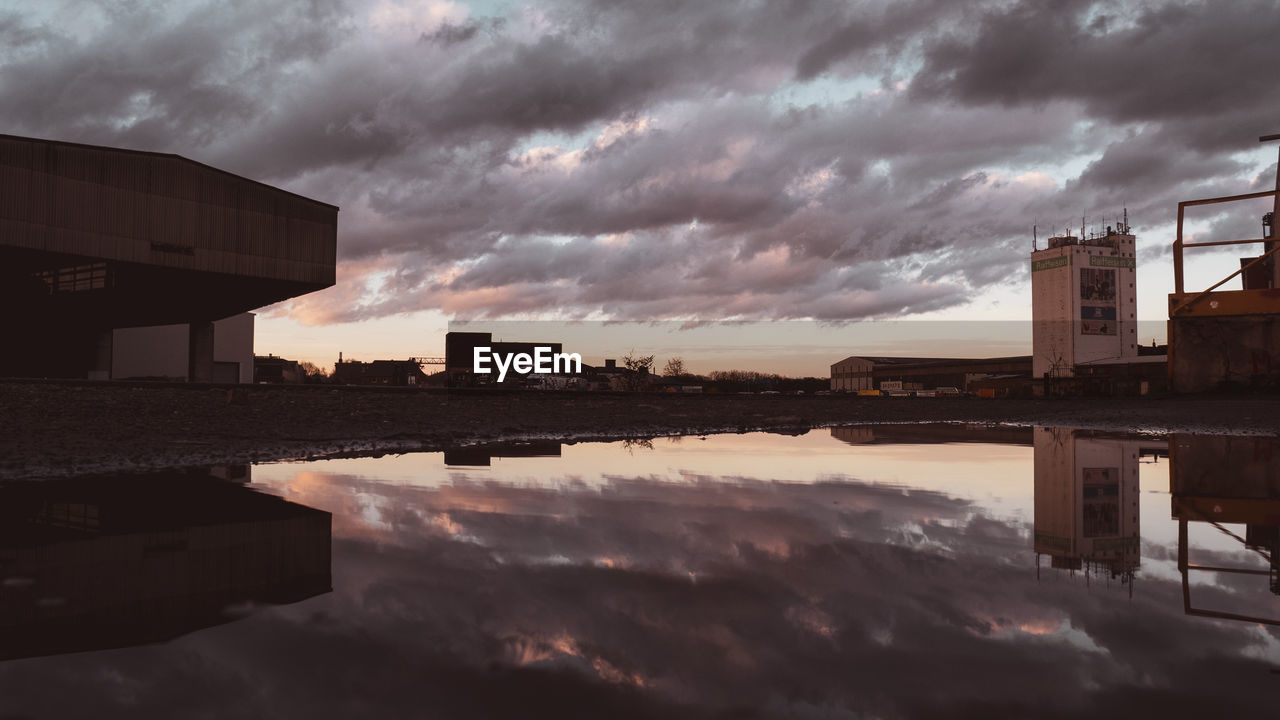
[[640, 367], [674, 368], [312, 373], [630, 445], [638, 363]]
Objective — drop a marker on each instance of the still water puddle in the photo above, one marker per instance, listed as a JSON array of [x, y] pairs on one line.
[[892, 571]]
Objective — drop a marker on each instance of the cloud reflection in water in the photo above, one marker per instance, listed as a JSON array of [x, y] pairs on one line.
[[604, 583]]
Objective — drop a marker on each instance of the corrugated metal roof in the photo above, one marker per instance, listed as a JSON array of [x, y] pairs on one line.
[[151, 153]]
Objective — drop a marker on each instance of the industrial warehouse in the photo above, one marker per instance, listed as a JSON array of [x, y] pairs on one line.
[[128, 263]]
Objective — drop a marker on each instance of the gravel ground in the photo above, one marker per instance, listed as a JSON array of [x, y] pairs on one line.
[[65, 428]]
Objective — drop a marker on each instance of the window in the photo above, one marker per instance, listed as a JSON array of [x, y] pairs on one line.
[[76, 278]]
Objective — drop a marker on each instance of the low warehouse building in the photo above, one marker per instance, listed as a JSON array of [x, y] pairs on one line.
[[867, 373]]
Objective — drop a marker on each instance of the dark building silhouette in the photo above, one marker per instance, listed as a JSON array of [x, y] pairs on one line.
[[391, 373], [931, 433], [107, 562], [277, 370], [94, 239], [459, 353], [482, 455]]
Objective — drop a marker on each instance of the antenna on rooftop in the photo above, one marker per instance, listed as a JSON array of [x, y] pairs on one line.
[[1033, 238]]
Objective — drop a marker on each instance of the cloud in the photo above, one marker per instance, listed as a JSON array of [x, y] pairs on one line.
[[587, 158]]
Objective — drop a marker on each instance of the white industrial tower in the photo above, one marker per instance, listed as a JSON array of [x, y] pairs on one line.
[[1084, 303]]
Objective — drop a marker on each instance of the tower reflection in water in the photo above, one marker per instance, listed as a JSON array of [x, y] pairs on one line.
[[1087, 496], [96, 563], [1225, 483], [1086, 502]]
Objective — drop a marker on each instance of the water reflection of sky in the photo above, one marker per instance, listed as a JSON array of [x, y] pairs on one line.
[[773, 575]]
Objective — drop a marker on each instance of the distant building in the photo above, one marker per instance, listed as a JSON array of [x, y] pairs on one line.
[[459, 355], [277, 370], [1083, 302], [622, 379], [852, 374], [869, 372], [391, 373]]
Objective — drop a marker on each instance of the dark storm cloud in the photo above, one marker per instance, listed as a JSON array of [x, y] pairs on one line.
[[743, 159], [878, 28], [449, 34], [159, 81], [1158, 62]]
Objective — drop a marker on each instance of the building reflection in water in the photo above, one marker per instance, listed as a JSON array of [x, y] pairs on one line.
[[95, 563], [482, 455], [931, 433], [1220, 481], [1086, 502]]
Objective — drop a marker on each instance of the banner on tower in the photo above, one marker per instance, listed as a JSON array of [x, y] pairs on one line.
[[1097, 301], [1107, 261]]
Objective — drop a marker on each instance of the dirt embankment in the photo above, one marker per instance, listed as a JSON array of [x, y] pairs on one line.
[[49, 429]]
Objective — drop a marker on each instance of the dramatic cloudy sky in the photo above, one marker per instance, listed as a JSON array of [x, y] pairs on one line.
[[669, 159]]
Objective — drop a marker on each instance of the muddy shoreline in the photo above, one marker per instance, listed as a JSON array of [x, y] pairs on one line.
[[59, 429]]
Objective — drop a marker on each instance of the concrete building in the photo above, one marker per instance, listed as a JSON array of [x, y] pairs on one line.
[[163, 353], [852, 374], [1084, 305], [95, 239], [1086, 501]]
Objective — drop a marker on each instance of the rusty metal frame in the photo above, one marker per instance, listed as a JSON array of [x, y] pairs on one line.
[[1178, 245], [1185, 568]]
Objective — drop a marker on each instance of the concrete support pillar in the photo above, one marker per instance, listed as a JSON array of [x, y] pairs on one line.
[[200, 352], [100, 355]]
